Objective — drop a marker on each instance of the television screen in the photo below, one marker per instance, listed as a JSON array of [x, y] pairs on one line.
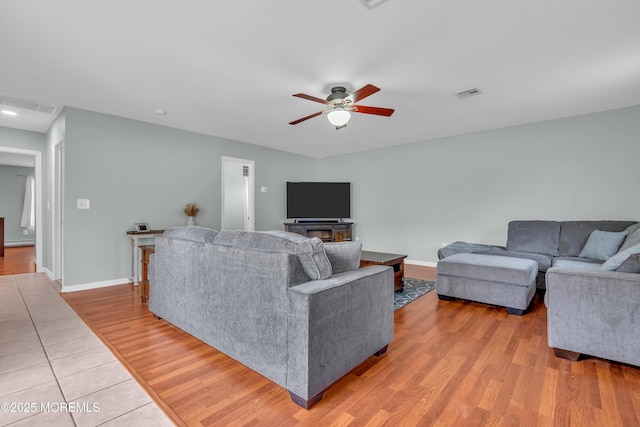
[[319, 200]]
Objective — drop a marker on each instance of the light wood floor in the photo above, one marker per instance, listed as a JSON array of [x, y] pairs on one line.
[[17, 260], [451, 364]]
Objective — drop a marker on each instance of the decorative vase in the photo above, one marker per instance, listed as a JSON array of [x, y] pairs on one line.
[[191, 222]]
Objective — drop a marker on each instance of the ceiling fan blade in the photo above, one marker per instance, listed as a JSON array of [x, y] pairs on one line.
[[310, 98], [363, 92], [373, 110], [311, 116]]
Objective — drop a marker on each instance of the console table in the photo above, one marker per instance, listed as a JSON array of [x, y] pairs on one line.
[[139, 238], [327, 231], [147, 250]]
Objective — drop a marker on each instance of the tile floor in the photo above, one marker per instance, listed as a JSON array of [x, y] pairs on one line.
[[54, 371]]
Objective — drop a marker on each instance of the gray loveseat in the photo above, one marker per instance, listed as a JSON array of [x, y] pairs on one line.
[[293, 309], [592, 282]]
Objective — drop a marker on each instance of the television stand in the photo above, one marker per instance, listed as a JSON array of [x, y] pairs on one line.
[[324, 221], [328, 231]]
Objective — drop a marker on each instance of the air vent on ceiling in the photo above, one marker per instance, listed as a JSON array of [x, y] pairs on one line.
[[370, 4], [469, 93], [27, 105]]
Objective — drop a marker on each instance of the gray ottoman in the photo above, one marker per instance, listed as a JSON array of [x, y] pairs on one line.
[[498, 280]]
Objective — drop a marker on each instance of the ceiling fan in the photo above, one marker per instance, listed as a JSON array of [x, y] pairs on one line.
[[340, 105]]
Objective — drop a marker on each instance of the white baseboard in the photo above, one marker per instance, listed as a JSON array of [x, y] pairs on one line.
[[18, 243], [421, 263], [48, 272], [95, 285]]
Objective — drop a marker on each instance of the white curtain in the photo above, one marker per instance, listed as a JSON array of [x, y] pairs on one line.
[[29, 209]]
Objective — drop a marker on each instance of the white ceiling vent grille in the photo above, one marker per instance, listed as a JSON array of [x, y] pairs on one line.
[[469, 93], [27, 105], [370, 4]]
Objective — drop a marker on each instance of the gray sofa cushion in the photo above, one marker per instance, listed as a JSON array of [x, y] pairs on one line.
[[191, 233], [632, 239], [630, 265], [544, 261], [574, 234], [343, 256], [626, 261], [467, 248], [310, 252], [576, 264], [603, 245], [540, 237]]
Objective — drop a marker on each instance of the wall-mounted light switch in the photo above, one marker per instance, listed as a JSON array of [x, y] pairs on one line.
[[264, 189], [83, 203]]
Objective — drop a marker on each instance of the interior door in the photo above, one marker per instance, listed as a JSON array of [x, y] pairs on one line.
[[238, 194]]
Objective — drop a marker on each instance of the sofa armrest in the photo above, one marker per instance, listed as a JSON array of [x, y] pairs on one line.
[[335, 324], [595, 313]]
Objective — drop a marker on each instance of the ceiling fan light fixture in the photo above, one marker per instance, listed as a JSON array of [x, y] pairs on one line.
[[339, 117]]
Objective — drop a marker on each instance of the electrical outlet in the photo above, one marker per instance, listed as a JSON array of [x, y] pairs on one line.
[[83, 203], [25, 232]]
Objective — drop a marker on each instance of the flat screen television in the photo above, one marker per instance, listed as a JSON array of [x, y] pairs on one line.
[[319, 200]]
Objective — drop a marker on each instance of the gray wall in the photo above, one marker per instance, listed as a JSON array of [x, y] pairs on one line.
[[12, 186], [410, 198], [138, 172]]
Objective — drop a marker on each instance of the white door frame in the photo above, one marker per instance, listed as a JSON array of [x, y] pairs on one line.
[[249, 221], [58, 209], [39, 198]]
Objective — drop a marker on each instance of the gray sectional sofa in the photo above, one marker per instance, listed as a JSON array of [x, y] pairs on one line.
[[549, 243], [591, 272], [293, 309]]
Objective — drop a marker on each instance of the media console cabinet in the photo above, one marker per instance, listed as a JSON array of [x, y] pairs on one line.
[[327, 231]]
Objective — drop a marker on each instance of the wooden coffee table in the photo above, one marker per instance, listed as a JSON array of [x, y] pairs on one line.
[[394, 260]]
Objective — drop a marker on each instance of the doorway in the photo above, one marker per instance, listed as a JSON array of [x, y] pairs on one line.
[[238, 183], [37, 163]]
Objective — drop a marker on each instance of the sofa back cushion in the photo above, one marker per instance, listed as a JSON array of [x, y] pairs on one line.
[[310, 252], [343, 256], [539, 237], [191, 233], [574, 234], [625, 261], [633, 238]]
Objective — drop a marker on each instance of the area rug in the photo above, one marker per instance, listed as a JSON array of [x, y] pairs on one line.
[[413, 289]]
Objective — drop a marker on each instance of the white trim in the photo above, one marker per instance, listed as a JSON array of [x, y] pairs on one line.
[[421, 263], [48, 273], [95, 285]]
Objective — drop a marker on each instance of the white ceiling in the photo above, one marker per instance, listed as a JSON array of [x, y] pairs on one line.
[[229, 68]]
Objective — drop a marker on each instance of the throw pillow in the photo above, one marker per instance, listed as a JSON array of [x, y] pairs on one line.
[[626, 261], [343, 256], [632, 239], [603, 245]]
